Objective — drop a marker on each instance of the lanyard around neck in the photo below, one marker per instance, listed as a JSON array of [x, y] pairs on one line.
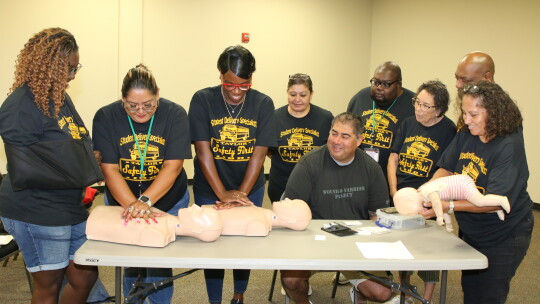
[[142, 156], [373, 123]]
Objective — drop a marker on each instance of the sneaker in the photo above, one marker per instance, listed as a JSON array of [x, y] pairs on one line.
[[342, 280], [309, 292], [396, 299]]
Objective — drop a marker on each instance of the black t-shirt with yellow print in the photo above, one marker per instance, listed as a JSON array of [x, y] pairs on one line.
[[169, 140], [22, 123], [232, 138], [497, 167], [381, 125], [419, 149], [295, 138]]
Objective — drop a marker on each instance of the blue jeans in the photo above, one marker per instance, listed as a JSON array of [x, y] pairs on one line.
[[492, 285], [214, 277], [149, 275], [46, 247]]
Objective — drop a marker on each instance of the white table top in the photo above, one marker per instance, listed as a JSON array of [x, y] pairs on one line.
[[431, 246]]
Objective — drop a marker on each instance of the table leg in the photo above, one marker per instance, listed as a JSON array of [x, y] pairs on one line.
[[404, 279], [118, 285], [444, 278]]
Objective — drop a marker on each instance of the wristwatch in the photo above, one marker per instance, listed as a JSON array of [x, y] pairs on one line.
[[450, 207], [145, 199]]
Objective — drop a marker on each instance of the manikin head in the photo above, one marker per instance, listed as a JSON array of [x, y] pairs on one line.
[[293, 214], [201, 223], [408, 201]]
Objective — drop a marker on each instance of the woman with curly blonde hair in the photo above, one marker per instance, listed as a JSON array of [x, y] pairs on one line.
[[48, 223]]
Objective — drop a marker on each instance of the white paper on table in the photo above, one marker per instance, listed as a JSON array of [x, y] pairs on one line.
[[385, 250], [320, 237], [4, 239], [373, 230]]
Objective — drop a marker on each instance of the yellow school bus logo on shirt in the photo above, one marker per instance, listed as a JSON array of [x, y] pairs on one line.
[[152, 153], [415, 161], [233, 143], [234, 133], [299, 140], [130, 168], [298, 144], [375, 133], [473, 173]]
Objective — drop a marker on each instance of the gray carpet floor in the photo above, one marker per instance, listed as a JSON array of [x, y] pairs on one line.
[[14, 288]]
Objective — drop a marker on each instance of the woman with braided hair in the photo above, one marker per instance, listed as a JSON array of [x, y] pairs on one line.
[[48, 224]]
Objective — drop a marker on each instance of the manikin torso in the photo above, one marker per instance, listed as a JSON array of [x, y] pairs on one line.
[[207, 224]]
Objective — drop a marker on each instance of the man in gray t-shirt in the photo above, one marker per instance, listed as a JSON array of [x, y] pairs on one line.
[[338, 181]]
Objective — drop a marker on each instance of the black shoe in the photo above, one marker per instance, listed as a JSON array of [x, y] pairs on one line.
[[236, 301]]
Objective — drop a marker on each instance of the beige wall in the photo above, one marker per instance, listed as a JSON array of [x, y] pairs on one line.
[[180, 42], [428, 38], [338, 43]]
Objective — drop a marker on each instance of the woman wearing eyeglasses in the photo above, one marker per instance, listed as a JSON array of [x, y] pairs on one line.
[[46, 216], [420, 141], [144, 140], [302, 126], [490, 149], [232, 127]]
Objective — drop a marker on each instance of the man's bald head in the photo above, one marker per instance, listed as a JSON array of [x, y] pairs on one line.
[[474, 67]]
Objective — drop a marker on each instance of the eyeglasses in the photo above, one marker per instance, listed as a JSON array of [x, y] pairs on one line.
[[132, 107], [75, 70], [299, 76], [423, 106], [385, 84], [230, 86], [471, 89]]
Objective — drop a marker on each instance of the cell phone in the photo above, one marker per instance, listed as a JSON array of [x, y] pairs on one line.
[[337, 229]]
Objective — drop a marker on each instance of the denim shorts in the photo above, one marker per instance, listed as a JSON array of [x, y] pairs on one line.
[[46, 247]]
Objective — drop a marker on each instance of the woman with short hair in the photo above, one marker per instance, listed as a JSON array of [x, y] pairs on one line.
[[232, 127], [420, 141]]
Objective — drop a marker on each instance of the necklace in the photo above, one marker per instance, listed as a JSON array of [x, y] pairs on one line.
[[233, 109]]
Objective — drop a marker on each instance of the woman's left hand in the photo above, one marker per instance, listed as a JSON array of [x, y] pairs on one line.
[[139, 210], [235, 196], [427, 212], [220, 205]]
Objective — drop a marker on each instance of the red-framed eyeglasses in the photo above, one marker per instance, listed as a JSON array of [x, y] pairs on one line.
[[230, 86]]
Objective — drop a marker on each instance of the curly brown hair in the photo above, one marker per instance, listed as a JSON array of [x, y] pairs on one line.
[[504, 117], [43, 64], [439, 92]]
